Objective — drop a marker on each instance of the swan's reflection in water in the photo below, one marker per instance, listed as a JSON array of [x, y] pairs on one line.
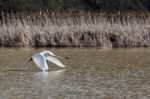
[[47, 82], [48, 75], [48, 78]]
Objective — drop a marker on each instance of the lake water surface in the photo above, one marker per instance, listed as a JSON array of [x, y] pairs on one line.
[[91, 73]]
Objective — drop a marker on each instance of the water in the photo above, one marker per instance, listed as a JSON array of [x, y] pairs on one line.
[[90, 74]]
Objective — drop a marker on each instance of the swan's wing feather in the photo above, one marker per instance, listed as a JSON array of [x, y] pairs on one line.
[[55, 61], [48, 53], [40, 61]]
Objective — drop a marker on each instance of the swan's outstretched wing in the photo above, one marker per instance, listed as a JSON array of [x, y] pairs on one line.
[[49, 53], [55, 60], [40, 61]]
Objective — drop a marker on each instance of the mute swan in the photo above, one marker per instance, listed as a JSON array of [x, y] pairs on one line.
[[40, 59]]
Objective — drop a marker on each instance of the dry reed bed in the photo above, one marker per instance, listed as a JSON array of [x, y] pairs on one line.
[[74, 31]]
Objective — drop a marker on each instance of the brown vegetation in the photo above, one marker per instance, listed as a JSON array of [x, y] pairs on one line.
[[80, 30]]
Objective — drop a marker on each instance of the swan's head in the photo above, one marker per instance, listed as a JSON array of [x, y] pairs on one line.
[[30, 59]]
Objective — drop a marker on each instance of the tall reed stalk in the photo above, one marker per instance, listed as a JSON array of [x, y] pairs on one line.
[[81, 30]]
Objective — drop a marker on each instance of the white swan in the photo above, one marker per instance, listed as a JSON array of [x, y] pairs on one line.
[[40, 59]]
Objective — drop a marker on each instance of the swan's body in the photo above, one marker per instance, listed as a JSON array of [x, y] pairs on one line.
[[40, 59]]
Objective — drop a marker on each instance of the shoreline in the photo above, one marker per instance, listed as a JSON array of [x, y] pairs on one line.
[[83, 30]]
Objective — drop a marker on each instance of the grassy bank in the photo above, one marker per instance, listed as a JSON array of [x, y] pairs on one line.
[[82, 29]]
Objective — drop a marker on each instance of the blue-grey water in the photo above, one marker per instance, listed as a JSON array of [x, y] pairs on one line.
[[91, 73]]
